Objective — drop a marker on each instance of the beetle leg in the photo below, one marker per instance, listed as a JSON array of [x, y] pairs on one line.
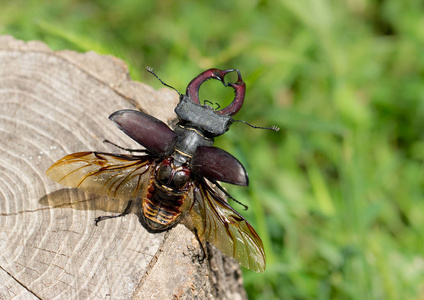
[[124, 213], [228, 194], [201, 245], [125, 149]]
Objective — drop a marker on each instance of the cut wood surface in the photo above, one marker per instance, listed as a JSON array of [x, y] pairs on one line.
[[57, 103]]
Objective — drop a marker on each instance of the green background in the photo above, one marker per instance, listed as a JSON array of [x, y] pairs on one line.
[[337, 194]]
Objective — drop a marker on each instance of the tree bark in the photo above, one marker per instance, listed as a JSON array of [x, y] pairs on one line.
[[57, 103]]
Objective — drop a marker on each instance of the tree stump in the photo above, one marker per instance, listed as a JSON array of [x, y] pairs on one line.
[[57, 103]]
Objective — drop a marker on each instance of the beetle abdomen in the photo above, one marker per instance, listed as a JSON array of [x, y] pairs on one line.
[[165, 196], [159, 216]]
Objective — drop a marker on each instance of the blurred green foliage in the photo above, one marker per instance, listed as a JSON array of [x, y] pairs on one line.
[[337, 194]]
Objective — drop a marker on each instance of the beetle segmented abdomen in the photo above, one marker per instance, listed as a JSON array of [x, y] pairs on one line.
[[164, 215]]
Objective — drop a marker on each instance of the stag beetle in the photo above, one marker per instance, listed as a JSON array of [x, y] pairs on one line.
[[174, 179]]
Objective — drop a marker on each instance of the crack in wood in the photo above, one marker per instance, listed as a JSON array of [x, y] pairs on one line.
[[20, 283]]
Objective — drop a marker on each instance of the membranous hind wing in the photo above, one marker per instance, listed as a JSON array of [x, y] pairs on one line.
[[218, 223], [116, 176]]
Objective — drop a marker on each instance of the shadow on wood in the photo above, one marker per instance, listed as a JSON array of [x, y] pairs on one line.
[[55, 103]]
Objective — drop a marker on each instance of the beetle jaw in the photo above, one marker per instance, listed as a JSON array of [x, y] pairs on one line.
[[192, 91]]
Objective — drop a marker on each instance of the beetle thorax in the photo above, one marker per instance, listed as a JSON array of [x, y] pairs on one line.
[[189, 138]]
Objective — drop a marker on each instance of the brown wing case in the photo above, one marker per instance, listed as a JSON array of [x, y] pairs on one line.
[[221, 225], [217, 164], [117, 176]]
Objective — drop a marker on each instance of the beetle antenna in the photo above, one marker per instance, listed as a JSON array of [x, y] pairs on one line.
[[150, 70], [273, 128]]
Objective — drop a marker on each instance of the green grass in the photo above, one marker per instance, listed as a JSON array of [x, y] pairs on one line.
[[337, 194]]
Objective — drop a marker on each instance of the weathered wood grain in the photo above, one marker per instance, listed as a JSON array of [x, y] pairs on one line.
[[56, 103]]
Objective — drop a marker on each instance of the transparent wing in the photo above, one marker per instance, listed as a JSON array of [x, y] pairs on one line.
[[218, 223], [117, 176]]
